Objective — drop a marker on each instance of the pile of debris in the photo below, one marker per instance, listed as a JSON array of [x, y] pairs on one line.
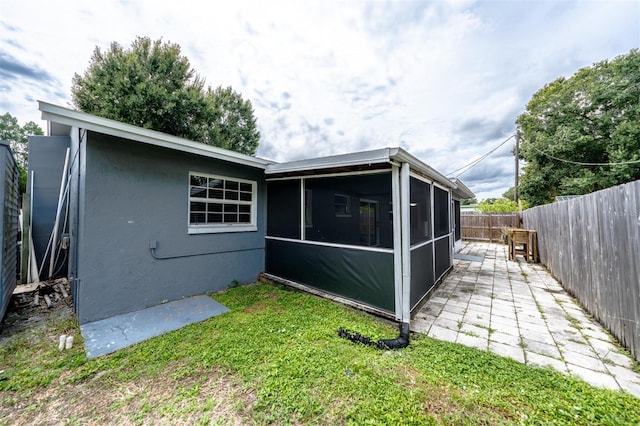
[[45, 294], [32, 305]]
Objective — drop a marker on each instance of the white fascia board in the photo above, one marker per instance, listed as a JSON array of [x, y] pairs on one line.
[[403, 156], [377, 156], [461, 191], [58, 114]]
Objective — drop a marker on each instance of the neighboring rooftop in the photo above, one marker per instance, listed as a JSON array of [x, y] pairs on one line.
[[566, 197]]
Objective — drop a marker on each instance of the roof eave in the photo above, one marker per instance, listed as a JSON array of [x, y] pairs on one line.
[[94, 123], [402, 156], [462, 191], [378, 156]]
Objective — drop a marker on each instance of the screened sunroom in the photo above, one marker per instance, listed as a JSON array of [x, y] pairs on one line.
[[372, 229]]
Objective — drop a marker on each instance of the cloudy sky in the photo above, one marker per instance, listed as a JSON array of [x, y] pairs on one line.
[[445, 80]]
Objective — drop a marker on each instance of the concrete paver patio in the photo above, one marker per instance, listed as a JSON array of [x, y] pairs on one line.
[[518, 310]]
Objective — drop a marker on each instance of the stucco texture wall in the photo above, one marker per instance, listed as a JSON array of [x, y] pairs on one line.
[[136, 193]]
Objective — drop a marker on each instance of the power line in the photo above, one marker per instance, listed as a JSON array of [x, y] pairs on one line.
[[475, 162], [585, 164]]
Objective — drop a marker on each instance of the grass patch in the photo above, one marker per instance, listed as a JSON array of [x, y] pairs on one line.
[[489, 329], [522, 343], [276, 358], [575, 323]]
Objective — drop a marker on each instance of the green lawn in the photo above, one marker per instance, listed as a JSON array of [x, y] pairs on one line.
[[276, 358]]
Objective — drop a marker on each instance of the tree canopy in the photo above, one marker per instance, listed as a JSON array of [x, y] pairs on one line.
[[510, 194], [500, 205], [468, 201], [18, 136], [592, 117], [152, 85]]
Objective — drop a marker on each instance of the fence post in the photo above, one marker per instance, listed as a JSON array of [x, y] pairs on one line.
[[490, 228]]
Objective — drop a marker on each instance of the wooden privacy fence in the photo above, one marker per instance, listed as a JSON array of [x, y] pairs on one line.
[[486, 226], [591, 244]]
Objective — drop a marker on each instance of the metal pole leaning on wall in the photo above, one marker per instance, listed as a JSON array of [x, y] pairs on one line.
[[32, 272], [54, 236]]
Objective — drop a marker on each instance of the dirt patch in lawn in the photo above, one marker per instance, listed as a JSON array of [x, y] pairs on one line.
[[210, 396], [256, 307], [199, 397]]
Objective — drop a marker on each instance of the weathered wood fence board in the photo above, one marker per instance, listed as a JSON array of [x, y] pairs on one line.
[[486, 226], [591, 245]]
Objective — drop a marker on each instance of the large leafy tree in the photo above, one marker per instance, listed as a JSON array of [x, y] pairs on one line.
[[510, 194], [230, 123], [582, 134], [17, 136], [500, 205], [152, 85]]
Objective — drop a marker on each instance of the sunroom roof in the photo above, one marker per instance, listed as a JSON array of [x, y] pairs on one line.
[[355, 159]]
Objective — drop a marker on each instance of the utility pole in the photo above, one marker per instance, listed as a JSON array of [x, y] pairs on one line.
[[515, 188]]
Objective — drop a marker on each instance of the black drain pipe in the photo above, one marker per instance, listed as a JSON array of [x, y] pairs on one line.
[[402, 341]]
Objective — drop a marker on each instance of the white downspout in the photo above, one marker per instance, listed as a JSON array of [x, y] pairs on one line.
[[397, 239], [400, 197], [405, 214]]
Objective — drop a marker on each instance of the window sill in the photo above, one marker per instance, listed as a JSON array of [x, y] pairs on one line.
[[221, 229]]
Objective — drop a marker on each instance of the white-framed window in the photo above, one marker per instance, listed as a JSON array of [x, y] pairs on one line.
[[221, 204]]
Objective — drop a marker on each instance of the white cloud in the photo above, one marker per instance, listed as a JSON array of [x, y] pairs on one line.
[[444, 79]]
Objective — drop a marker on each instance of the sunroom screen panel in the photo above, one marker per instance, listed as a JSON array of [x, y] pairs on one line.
[[350, 210], [283, 209]]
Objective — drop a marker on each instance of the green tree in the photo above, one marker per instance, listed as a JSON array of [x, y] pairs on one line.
[[468, 201], [509, 194], [18, 136], [152, 85], [591, 117], [500, 205], [230, 122]]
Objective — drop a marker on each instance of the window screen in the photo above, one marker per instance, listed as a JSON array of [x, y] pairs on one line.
[[441, 212], [283, 208], [353, 210], [420, 207]]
